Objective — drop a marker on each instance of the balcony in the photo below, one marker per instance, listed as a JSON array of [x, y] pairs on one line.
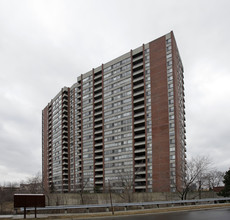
[[64, 158], [142, 135], [141, 120], [139, 143], [98, 163], [98, 112], [64, 121], [98, 100], [98, 106], [98, 123], [98, 144], [98, 82], [140, 180], [97, 169], [65, 133], [97, 75], [137, 64], [140, 165], [136, 100], [135, 58], [137, 68], [98, 182], [140, 85], [137, 72], [140, 158], [99, 87], [97, 94], [140, 106], [99, 157], [139, 128], [65, 95], [140, 187], [98, 138], [65, 105], [65, 153], [98, 150], [98, 132]]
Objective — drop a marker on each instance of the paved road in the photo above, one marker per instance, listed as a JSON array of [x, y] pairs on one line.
[[215, 214]]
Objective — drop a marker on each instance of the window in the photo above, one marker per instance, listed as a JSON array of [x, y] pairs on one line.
[[127, 60], [86, 79], [169, 48], [107, 69], [126, 67], [147, 65], [117, 71], [147, 72], [169, 63], [107, 75], [171, 109], [116, 65], [169, 56], [147, 51], [168, 41]]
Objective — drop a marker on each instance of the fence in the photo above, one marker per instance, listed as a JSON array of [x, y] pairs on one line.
[[142, 205]]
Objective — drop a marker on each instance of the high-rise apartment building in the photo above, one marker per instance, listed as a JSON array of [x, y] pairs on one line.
[[123, 119]]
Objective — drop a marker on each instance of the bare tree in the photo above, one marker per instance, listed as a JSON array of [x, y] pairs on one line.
[[80, 188], [34, 184], [204, 163], [196, 170], [214, 179], [125, 183]]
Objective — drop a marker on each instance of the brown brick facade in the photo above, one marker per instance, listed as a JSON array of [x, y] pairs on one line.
[[160, 123]]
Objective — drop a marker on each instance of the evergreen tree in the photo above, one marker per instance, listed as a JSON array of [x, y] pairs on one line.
[[226, 191]]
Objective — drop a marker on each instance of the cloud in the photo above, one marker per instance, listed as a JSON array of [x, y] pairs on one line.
[[45, 46]]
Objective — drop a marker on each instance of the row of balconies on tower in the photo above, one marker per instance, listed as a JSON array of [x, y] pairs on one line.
[[50, 171], [139, 122], [65, 141], [98, 136], [79, 130]]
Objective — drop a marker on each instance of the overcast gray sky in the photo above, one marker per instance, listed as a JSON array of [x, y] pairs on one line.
[[46, 45]]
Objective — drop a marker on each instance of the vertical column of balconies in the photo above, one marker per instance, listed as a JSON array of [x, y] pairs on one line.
[[139, 123], [183, 129], [182, 121], [50, 158], [79, 133], [65, 142], [98, 130], [72, 141], [146, 119]]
